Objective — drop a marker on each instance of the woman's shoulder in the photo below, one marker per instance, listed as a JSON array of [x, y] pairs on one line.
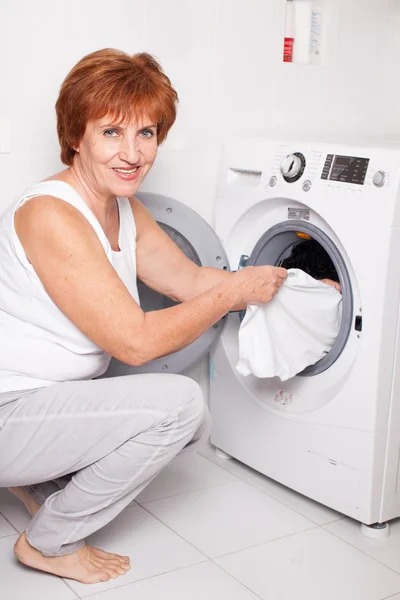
[[48, 188], [46, 211]]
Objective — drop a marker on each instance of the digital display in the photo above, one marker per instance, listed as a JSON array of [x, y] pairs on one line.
[[347, 169]]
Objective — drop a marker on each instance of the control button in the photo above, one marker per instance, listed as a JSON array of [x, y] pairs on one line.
[[307, 185], [273, 181], [292, 167], [379, 179]]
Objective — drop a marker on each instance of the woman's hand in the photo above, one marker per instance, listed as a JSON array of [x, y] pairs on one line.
[[259, 285], [332, 283]]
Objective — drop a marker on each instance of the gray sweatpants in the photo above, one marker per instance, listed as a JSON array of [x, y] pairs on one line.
[[113, 435]]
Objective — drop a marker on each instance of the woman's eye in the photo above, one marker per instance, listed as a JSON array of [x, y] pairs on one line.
[[147, 133], [110, 132]]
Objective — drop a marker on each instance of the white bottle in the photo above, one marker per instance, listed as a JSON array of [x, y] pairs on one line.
[[289, 32], [302, 17], [315, 34], [308, 30]]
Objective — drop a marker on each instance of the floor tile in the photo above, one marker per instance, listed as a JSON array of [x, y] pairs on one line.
[[18, 582], [387, 550], [313, 565], [197, 583], [312, 510], [227, 517], [188, 472], [233, 466], [5, 527], [152, 547], [14, 510]]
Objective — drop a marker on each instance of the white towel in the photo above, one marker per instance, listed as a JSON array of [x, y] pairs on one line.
[[293, 331]]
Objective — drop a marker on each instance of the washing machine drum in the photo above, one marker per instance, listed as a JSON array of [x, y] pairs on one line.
[[309, 256], [301, 245]]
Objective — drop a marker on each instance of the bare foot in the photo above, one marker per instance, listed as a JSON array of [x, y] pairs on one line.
[[87, 565], [26, 498]]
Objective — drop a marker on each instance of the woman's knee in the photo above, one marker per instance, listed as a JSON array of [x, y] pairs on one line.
[[194, 407], [179, 399], [195, 420]]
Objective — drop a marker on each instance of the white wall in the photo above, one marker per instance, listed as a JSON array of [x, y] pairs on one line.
[[224, 58]]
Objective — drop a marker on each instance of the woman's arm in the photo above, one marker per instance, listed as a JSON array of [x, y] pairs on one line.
[[76, 273], [165, 268]]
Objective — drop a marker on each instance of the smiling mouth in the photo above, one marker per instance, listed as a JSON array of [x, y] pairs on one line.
[[126, 171]]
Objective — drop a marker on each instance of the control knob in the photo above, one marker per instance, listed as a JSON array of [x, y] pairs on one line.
[[292, 167], [379, 178]]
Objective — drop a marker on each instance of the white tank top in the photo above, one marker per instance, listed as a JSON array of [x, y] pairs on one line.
[[39, 345]]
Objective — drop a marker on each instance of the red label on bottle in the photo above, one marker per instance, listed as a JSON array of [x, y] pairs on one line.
[[288, 49]]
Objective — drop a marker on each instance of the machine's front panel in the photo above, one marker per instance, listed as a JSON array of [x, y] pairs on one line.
[[324, 434]]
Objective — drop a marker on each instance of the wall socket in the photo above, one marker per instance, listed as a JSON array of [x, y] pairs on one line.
[[5, 136]]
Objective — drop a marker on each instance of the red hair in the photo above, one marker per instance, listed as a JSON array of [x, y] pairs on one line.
[[110, 82]]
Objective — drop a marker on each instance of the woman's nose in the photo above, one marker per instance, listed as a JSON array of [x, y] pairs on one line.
[[130, 150]]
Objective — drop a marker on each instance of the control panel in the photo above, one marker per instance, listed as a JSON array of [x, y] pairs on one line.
[[347, 169], [353, 171]]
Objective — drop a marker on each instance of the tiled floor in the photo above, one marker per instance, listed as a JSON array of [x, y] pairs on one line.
[[213, 529]]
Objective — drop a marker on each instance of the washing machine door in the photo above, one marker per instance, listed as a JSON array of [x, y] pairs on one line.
[[201, 244]]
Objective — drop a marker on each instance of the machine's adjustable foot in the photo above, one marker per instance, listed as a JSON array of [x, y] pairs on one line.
[[221, 454], [377, 531]]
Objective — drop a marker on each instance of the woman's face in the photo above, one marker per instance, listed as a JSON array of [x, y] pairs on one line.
[[115, 158]]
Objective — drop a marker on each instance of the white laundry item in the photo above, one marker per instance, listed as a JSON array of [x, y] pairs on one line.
[[293, 331]]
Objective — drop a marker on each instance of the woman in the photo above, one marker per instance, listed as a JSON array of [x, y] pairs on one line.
[[70, 251]]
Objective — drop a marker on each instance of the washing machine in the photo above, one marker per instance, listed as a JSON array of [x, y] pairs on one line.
[[332, 432], [199, 242]]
